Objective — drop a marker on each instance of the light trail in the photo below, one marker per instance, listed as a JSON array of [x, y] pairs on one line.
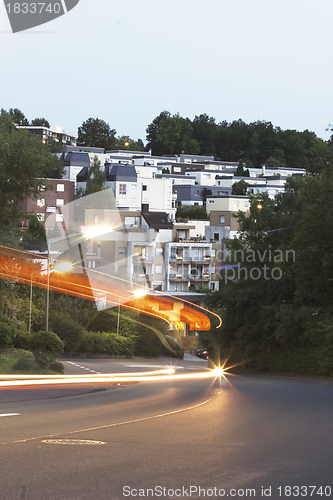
[[17, 265], [169, 375]]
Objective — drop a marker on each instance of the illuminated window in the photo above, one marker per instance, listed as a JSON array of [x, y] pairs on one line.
[[60, 202], [59, 217], [60, 187], [41, 217], [158, 269], [41, 202]]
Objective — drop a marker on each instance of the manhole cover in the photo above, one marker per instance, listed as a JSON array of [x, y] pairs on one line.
[[72, 441]]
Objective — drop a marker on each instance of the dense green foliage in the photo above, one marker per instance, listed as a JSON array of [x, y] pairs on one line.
[[276, 282], [190, 212], [24, 162], [46, 346], [255, 143], [97, 133]]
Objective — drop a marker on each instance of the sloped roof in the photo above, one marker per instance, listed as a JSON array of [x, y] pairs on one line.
[[120, 172], [158, 220], [76, 158], [82, 175]]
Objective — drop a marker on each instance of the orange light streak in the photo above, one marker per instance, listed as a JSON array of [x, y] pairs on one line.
[[109, 378]]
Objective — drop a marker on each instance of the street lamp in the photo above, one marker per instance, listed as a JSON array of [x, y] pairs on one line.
[[30, 304]]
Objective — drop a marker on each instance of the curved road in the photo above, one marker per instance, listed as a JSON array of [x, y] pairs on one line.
[[250, 437]]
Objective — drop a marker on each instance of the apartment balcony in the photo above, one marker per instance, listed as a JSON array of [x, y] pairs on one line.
[[187, 260], [133, 227], [138, 258], [138, 277], [197, 261]]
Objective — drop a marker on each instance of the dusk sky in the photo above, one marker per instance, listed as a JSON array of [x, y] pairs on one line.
[[125, 62]]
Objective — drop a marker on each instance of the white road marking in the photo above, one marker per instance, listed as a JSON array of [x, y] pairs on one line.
[[9, 414], [83, 367], [134, 421]]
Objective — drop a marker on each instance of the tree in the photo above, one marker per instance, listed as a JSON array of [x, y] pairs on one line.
[[16, 116], [152, 132], [40, 122], [204, 132], [34, 237], [203, 194], [175, 136], [96, 177], [125, 142], [95, 132], [24, 162], [239, 188], [241, 172]]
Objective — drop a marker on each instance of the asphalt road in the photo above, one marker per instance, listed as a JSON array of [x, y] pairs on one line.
[[251, 437]]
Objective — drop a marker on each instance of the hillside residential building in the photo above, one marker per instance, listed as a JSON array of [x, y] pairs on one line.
[[57, 194], [45, 133]]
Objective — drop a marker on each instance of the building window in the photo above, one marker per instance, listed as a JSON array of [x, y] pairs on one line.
[[212, 286], [212, 269], [122, 188], [60, 187], [210, 201], [144, 188], [96, 219], [159, 251], [59, 217], [158, 269], [213, 252], [41, 202], [41, 217], [222, 219], [122, 250], [60, 202], [216, 236]]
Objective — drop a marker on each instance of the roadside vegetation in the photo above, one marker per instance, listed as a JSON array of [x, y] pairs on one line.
[[276, 284]]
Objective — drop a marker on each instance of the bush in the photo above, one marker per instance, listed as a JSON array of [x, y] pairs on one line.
[[46, 346], [25, 362], [68, 330], [22, 339], [7, 331], [58, 367], [111, 343]]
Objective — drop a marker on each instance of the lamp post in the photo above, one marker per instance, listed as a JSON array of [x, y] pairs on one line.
[[62, 267]]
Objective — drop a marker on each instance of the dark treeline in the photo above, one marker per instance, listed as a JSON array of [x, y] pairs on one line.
[[258, 143]]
